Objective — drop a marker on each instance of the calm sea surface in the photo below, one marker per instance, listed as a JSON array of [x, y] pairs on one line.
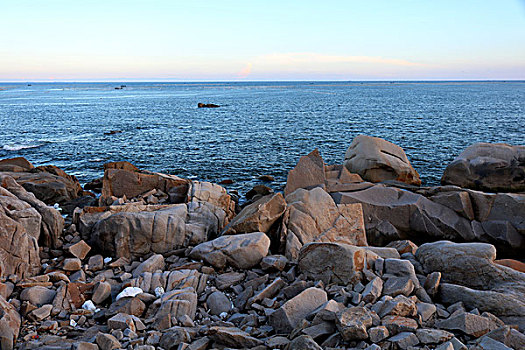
[[261, 128]]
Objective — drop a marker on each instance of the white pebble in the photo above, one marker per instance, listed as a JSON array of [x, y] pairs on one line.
[[107, 260], [129, 292], [159, 291]]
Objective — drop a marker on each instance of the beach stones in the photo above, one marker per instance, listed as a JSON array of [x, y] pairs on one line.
[[492, 167], [378, 160]]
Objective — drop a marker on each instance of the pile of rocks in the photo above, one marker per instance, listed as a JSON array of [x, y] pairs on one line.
[[169, 263]]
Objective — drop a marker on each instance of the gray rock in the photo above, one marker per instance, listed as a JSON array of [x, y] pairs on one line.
[[486, 343], [242, 251], [467, 323], [378, 160], [288, 316], [313, 216], [332, 262], [218, 303], [433, 336], [400, 306], [101, 292], [234, 337], [303, 342], [426, 310], [377, 334], [490, 167], [353, 323], [274, 262], [38, 295], [258, 216], [152, 264], [373, 290], [404, 340], [174, 304], [107, 342]]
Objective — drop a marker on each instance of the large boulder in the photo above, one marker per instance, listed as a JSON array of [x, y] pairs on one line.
[[242, 251], [378, 160], [9, 324], [313, 216], [214, 194], [52, 222], [18, 249], [136, 230], [494, 167], [49, 183], [311, 172], [124, 179], [332, 262], [395, 214], [469, 274], [258, 216]]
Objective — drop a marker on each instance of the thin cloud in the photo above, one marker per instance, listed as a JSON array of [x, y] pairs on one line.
[[313, 59]]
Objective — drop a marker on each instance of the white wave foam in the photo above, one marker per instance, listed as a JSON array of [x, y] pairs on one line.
[[18, 147]]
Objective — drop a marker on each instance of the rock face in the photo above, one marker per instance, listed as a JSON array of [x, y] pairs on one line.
[[332, 262], [394, 214], [19, 232], [241, 251], [490, 167], [496, 218], [470, 275], [313, 216], [124, 179], [9, 324], [136, 230], [52, 222], [50, 184], [378, 160], [258, 216]]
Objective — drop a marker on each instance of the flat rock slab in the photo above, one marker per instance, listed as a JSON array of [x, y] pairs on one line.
[[241, 251]]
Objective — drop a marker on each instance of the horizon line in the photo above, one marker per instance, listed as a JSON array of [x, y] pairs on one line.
[[255, 81]]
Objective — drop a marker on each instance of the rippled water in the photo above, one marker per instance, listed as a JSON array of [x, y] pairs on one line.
[[261, 128]]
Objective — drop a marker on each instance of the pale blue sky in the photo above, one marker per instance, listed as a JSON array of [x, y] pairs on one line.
[[261, 40]]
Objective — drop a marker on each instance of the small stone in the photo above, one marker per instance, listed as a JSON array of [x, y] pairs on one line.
[[353, 323], [152, 264], [372, 290], [397, 324], [229, 279], [376, 334], [431, 284], [433, 336], [398, 285], [486, 343], [40, 313], [96, 263], [84, 346], [234, 337], [72, 264], [121, 321], [400, 305], [107, 342], [467, 323], [303, 342], [404, 340], [101, 292], [38, 295], [79, 250], [288, 316], [274, 262], [426, 310], [218, 303]]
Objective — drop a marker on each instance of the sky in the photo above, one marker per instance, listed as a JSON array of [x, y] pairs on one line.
[[252, 40]]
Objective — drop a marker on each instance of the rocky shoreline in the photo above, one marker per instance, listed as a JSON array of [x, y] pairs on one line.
[[349, 256]]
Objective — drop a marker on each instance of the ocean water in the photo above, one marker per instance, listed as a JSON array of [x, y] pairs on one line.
[[260, 128]]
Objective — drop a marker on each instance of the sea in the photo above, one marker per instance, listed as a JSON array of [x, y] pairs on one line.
[[260, 128]]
